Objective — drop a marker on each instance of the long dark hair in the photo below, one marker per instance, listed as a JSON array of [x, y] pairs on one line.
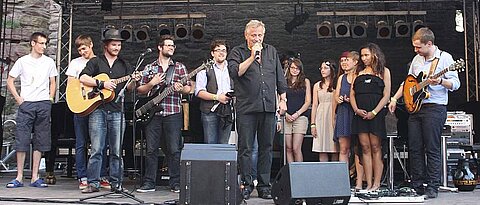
[[300, 82], [333, 78], [378, 59]]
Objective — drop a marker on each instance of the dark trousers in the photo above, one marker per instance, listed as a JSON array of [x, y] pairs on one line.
[[261, 125], [424, 139], [164, 131]]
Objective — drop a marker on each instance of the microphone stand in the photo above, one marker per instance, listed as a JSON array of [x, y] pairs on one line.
[[121, 97]]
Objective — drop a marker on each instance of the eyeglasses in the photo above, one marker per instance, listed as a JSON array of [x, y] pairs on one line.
[[220, 50], [173, 46]]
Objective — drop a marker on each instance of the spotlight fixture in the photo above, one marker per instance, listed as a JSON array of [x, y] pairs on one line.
[[359, 30], [298, 20], [164, 29], [104, 30], [324, 29], [384, 31], [126, 33], [342, 29], [402, 29], [198, 32], [181, 32], [417, 24], [141, 35]]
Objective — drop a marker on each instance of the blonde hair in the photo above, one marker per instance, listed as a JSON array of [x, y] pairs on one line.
[[424, 35], [254, 24]]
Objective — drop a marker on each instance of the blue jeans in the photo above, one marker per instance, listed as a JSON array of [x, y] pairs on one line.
[[212, 132], [165, 132], [105, 126], [81, 134], [424, 139], [262, 126]]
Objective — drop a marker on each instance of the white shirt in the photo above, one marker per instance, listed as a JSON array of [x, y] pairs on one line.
[[76, 66], [35, 76], [222, 76]]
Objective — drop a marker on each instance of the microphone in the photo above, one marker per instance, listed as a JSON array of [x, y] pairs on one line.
[[149, 50], [257, 55]]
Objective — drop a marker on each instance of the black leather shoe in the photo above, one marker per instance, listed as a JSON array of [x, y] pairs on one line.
[[431, 193], [420, 191], [246, 193], [265, 194]]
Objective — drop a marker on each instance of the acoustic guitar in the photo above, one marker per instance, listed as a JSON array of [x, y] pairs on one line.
[[415, 87], [83, 99], [149, 105]]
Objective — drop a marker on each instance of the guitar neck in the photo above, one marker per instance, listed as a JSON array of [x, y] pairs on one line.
[[122, 79], [425, 83]]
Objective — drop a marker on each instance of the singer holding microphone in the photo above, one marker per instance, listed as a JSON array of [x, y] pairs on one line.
[[257, 74], [105, 121], [165, 128]]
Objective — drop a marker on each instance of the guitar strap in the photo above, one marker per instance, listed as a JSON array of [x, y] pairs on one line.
[[433, 65], [169, 74]]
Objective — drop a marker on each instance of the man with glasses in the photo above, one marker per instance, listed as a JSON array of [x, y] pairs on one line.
[[165, 127], [214, 87], [37, 84]]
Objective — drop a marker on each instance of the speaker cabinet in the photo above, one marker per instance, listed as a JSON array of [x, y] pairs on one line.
[[312, 182], [208, 175]]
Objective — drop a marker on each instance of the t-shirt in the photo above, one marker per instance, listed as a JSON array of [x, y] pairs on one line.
[[35, 76], [76, 66]]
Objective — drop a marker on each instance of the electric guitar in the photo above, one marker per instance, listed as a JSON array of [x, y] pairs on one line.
[[415, 87], [83, 99], [149, 106]]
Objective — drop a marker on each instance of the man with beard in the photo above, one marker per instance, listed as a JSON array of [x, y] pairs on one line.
[[212, 87], [106, 122], [257, 73], [165, 127]]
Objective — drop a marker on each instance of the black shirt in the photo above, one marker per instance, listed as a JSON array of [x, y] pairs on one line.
[[120, 68], [256, 88]]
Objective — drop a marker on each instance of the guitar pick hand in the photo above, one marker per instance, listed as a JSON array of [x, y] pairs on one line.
[[110, 85]]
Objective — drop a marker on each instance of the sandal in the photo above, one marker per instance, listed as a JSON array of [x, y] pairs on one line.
[[39, 183], [14, 184]]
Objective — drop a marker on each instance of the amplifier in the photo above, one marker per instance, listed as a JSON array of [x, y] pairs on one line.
[[461, 125]]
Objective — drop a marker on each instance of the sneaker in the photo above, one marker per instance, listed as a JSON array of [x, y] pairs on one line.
[[146, 188], [265, 194], [90, 189], [104, 183], [175, 188], [82, 185]]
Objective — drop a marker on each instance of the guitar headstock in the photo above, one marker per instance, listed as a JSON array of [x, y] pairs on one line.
[[459, 66], [209, 63]]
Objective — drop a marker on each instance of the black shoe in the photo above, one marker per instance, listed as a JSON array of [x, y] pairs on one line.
[[175, 188], [246, 193], [146, 188], [265, 194], [420, 191], [90, 189], [431, 193]]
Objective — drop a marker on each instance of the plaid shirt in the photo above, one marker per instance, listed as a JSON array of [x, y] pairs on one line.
[[171, 104]]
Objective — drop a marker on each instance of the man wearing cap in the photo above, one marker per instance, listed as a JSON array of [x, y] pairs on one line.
[[106, 122]]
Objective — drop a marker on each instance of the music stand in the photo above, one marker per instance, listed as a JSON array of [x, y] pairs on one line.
[[121, 97]]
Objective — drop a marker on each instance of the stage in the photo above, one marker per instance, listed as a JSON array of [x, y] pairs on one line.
[[66, 191]]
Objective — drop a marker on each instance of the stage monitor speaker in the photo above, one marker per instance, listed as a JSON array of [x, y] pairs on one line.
[[312, 183], [208, 175]]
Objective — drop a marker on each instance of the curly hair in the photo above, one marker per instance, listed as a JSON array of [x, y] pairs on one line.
[[378, 59]]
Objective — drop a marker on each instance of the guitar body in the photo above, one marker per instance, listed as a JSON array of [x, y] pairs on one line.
[[82, 99], [412, 95], [144, 116]]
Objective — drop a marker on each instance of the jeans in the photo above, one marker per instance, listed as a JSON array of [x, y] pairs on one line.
[[165, 132], [424, 138], [212, 132], [262, 126], [105, 126], [81, 134]]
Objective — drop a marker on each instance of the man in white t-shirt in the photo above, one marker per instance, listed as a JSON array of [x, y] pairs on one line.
[[37, 84], [84, 46]]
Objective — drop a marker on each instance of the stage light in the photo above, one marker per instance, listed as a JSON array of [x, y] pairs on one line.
[[359, 30], [459, 21], [324, 30], [384, 31], [402, 29], [141, 35], [417, 24], [342, 29], [181, 32], [198, 32], [106, 5], [126, 33], [298, 20], [104, 30], [164, 29]]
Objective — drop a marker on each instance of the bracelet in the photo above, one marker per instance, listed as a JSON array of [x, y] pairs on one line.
[[394, 100], [374, 112], [313, 126], [215, 97], [52, 99]]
